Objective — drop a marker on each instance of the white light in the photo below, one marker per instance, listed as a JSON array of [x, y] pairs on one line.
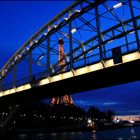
[[23, 51], [49, 28], [54, 26], [90, 51], [65, 18], [56, 78], [116, 120], [16, 57], [89, 121], [131, 121], [80, 57], [132, 32], [44, 81], [40, 57], [31, 43], [45, 34], [117, 5], [77, 11], [110, 41], [3, 73], [12, 63], [27, 49], [131, 57], [73, 30], [5, 70], [36, 41]]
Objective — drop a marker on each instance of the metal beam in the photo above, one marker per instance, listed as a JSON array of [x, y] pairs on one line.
[[30, 66], [1, 84], [134, 23], [108, 30], [15, 75], [105, 41], [99, 32], [75, 15], [48, 56], [70, 45]]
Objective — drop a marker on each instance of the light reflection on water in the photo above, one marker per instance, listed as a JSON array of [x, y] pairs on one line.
[[118, 134]]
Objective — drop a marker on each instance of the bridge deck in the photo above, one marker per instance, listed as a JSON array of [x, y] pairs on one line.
[[87, 78]]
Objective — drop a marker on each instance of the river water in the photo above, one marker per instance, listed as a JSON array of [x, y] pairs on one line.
[[131, 133]]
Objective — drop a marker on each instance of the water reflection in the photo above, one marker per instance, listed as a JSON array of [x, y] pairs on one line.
[[117, 134], [23, 136], [132, 134], [94, 137]]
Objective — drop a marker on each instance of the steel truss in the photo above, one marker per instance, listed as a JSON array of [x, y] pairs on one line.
[[90, 30]]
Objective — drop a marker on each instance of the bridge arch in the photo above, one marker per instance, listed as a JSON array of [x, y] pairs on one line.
[[90, 30]]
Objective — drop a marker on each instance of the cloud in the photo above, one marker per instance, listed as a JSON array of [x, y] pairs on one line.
[[110, 103], [84, 102], [95, 103]]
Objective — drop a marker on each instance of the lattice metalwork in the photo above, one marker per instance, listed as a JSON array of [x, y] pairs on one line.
[[89, 29]]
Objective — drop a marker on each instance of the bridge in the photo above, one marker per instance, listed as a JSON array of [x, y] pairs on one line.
[[102, 48]]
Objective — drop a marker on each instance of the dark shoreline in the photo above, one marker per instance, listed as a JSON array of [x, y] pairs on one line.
[[13, 133], [64, 129]]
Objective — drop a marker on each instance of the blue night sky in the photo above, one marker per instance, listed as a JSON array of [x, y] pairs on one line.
[[19, 20]]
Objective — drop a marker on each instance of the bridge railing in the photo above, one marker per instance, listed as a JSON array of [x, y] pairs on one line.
[[95, 58]]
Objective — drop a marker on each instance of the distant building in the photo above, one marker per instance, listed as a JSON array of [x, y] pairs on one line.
[[128, 118]]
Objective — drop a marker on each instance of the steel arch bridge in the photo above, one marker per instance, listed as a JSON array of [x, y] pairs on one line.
[[90, 31]]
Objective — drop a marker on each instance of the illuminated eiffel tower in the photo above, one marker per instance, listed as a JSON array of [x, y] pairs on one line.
[[66, 99]]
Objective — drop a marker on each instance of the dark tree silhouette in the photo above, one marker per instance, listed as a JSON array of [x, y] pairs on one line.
[[110, 115], [93, 113]]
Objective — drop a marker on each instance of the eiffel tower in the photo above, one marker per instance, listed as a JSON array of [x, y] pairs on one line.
[[66, 99]]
